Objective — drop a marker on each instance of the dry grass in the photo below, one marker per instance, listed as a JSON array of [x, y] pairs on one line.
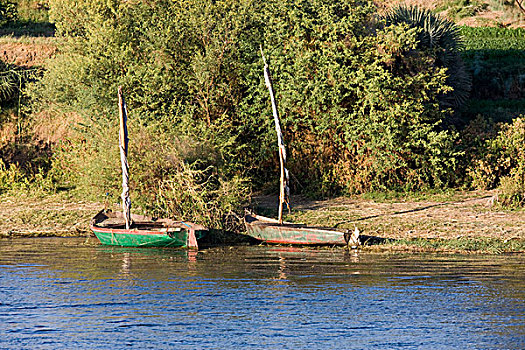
[[30, 215], [50, 127], [27, 51], [465, 215]]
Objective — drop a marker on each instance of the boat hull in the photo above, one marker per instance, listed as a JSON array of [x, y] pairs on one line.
[[145, 232], [137, 238], [270, 231]]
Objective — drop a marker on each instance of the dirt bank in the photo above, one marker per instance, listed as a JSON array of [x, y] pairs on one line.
[[480, 13], [26, 215], [469, 214], [464, 217], [27, 52]]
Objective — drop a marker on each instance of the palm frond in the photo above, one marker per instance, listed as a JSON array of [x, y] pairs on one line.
[[444, 38]]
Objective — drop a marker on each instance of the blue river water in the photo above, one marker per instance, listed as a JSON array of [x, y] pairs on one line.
[[64, 293]]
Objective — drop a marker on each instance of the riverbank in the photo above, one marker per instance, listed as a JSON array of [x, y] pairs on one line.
[[458, 222], [26, 215], [454, 222]]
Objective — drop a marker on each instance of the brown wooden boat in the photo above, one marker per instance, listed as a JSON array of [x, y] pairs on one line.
[[271, 231], [276, 231]]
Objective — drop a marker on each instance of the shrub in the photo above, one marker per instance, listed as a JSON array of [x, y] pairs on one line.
[[473, 139], [200, 195], [33, 10], [444, 38], [8, 12], [511, 143], [501, 163], [175, 176], [10, 176], [14, 177], [361, 103]]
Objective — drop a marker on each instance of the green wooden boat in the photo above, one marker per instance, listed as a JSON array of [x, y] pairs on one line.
[[110, 229], [130, 230]]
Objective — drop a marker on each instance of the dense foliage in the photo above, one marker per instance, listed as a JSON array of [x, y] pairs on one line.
[[184, 69], [35, 11], [444, 39], [500, 161], [361, 100]]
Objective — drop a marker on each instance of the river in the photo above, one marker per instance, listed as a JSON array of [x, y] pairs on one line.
[[69, 293]]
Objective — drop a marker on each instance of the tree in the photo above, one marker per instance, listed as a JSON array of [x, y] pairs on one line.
[[8, 12]]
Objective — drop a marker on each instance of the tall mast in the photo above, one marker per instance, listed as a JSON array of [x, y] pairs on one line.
[[284, 192], [123, 145]]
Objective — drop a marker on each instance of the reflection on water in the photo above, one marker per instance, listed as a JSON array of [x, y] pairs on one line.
[[61, 293]]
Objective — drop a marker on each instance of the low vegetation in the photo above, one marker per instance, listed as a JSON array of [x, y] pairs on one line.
[[457, 245]]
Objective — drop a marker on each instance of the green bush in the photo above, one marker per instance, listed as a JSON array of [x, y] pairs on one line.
[[444, 39], [480, 172], [88, 162], [35, 11], [501, 161], [165, 178], [511, 143], [10, 176], [16, 177], [8, 12], [359, 101]]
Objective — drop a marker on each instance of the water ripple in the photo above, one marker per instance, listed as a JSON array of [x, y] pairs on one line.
[[57, 296]]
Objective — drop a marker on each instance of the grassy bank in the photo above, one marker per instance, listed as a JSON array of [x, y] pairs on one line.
[[30, 215], [453, 222], [453, 245]]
